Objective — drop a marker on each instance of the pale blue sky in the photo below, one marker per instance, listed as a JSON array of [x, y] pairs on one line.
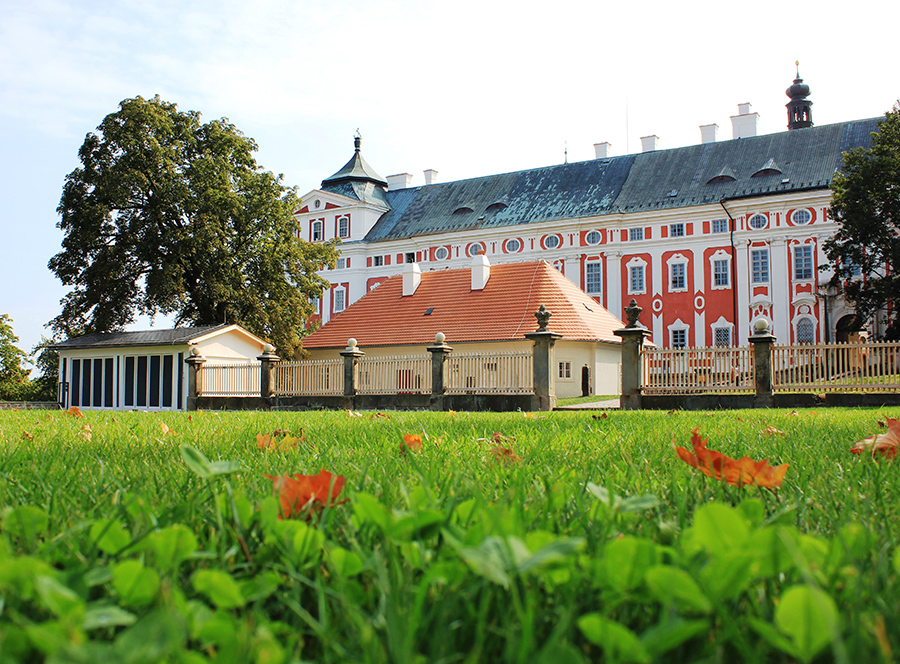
[[469, 87]]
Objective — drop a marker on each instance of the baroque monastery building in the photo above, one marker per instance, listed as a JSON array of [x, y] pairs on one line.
[[707, 238]]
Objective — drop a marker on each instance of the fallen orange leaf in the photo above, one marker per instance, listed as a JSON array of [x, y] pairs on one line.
[[74, 411], [165, 429], [770, 430], [279, 439], [351, 413], [305, 495], [86, 432], [737, 472], [379, 415], [885, 444], [27, 436], [413, 441], [505, 454], [451, 413]]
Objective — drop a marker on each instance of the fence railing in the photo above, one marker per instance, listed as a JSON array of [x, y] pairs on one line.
[[230, 380], [309, 377], [837, 367], [491, 373], [394, 374], [697, 370]]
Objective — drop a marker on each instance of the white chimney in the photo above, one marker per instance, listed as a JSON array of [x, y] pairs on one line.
[[481, 271], [430, 176], [601, 150], [648, 143], [399, 181], [708, 133], [412, 277], [743, 124]]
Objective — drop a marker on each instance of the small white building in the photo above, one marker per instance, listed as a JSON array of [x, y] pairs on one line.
[[482, 309], [145, 369]]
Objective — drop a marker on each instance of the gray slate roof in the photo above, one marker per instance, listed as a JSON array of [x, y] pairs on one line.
[[662, 179], [175, 337]]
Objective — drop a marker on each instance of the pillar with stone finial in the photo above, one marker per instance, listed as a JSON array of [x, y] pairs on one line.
[[762, 340], [351, 355], [544, 397], [195, 385], [633, 336], [267, 362], [440, 351]]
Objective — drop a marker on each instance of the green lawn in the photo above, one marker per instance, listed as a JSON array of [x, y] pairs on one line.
[[558, 537]]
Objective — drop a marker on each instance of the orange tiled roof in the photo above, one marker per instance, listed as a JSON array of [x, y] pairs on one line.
[[503, 310]]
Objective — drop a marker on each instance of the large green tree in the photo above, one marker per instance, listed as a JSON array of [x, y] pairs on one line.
[[13, 373], [170, 215], [866, 205]]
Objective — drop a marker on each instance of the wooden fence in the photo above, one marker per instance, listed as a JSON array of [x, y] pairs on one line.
[[309, 378], [230, 380], [697, 370], [491, 373], [395, 374], [837, 367]]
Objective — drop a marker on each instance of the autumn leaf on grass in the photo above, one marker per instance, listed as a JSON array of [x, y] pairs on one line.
[[505, 454], [351, 413], [165, 429], [451, 413], [884, 444], [303, 496], [379, 415], [74, 411], [771, 431], [27, 436], [601, 416], [279, 439], [411, 441], [86, 432], [737, 472]]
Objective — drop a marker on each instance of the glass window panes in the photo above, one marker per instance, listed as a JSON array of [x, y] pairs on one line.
[[676, 230], [441, 253], [636, 279], [635, 234], [565, 369], [378, 261], [679, 338], [720, 273], [593, 283], [759, 266], [593, 237], [722, 336], [551, 241], [344, 227], [801, 217], [803, 262], [317, 231], [339, 300], [512, 246], [758, 221], [806, 331], [720, 226], [677, 277]]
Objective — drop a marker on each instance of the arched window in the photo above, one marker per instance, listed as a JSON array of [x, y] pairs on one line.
[[316, 233], [806, 331]]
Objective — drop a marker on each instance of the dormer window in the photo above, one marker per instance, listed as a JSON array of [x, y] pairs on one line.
[[769, 168], [463, 210], [725, 175]]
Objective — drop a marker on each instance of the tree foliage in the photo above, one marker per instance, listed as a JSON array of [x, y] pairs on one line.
[[866, 205], [13, 373], [168, 215]]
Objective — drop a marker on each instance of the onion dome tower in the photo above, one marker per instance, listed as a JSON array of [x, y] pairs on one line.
[[799, 107]]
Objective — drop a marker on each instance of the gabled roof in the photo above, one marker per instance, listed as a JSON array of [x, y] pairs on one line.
[[445, 302], [178, 336]]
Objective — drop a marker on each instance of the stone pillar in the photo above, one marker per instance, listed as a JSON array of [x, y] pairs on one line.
[[195, 380], [351, 356], [267, 361], [544, 397], [439, 352], [633, 335], [762, 341]]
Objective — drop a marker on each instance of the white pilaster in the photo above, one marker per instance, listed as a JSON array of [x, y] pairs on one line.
[[613, 285], [780, 288], [742, 285]]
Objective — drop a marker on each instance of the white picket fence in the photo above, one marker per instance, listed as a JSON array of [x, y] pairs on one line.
[[491, 373], [697, 370], [230, 380], [394, 374], [309, 378], [837, 367]]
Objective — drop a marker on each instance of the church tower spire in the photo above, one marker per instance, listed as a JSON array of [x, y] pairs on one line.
[[799, 107]]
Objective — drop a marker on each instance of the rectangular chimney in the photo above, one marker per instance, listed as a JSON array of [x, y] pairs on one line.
[[399, 181], [601, 150], [744, 124], [648, 143], [481, 271], [708, 133], [412, 277], [430, 176]]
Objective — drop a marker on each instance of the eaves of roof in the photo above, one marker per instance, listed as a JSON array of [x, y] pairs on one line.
[[174, 337]]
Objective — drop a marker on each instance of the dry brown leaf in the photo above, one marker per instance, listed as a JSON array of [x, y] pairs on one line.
[[771, 431], [885, 444], [75, 411], [738, 472]]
